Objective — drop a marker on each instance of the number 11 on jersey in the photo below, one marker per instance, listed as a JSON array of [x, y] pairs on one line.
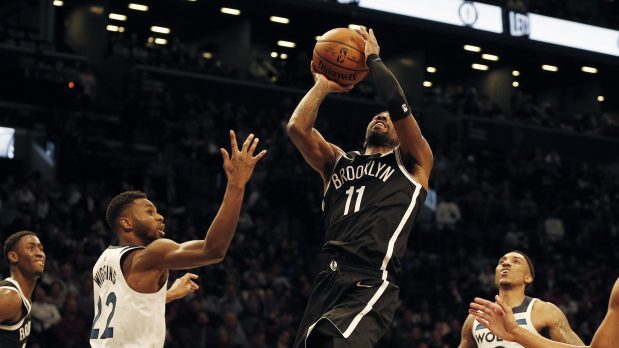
[[351, 192]]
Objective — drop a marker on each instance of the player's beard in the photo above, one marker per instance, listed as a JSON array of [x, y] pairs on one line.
[[377, 138], [144, 233]]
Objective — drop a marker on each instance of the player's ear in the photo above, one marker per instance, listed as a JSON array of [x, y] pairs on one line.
[[125, 223], [12, 256], [528, 279]]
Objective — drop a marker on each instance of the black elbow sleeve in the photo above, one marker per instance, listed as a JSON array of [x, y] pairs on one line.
[[388, 88]]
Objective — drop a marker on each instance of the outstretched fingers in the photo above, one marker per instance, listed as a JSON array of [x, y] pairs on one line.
[[253, 146], [233, 144], [247, 143], [261, 154]]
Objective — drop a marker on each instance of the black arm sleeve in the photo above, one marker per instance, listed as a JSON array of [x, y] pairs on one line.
[[389, 89]]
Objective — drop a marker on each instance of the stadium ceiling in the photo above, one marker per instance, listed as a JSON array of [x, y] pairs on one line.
[[194, 22]]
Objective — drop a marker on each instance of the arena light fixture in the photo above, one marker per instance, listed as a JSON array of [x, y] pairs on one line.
[[58, 3], [479, 67], [550, 68], [138, 7], [207, 55], [601, 98], [283, 56], [589, 70], [491, 57], [516, 84], [274, 54], [354, 26], [230, 11], [117, 17], [161, 30], [317, 37], [111, 27], [472, 48], [516, 73], [161, 41], [282, 20], [431, 69], [288, 44], [427, 84]]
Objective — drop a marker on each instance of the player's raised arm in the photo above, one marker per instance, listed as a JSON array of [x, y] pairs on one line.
[[318, 153], [558, 327], [166, 254], [412, 142]]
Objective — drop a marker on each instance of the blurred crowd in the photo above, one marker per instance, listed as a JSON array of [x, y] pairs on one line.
[[524, 108]]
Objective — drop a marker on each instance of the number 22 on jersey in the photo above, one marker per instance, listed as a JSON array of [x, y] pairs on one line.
[[108, 332], [351, 192]]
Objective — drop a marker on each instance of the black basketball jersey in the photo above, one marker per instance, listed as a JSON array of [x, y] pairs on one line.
[[370, 205], [15, 335]]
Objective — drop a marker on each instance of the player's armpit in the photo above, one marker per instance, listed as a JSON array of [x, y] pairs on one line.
[[466, 339], [558, 327], [10, 305]]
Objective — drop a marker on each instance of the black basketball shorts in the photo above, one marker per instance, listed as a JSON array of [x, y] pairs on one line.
[[354, 305]]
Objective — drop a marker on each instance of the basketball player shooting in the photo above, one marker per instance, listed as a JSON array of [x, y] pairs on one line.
[[499, 319], [513, 274], [130, 280], [370, 202]]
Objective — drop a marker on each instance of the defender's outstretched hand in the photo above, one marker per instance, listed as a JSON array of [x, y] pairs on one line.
[[496, 317], [327, 86], [240, 165]]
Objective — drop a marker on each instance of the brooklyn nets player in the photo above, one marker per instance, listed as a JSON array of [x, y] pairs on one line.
[[24, 252], [130, 280], [370, 202], [513, 274]]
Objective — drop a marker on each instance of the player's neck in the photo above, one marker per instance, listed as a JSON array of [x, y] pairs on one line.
[[513, 296], [26, 283], [131, 240], [372, 150]]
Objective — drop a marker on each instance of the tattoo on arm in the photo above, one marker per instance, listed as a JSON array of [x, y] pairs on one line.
[[561, 330]]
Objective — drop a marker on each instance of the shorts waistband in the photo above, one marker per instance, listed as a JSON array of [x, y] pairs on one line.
[[333, 263]]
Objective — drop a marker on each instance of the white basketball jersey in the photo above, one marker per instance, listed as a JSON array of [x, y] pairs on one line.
[[486, 339], [124, 317]]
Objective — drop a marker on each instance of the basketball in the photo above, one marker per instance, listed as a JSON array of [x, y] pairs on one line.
[[339, 56]]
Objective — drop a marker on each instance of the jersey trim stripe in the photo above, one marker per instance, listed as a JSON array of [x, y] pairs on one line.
[[14, 326], [398, 158], [329, 177], [398, 230], [366, 310]]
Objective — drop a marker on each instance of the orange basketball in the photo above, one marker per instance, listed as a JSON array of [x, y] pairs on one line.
[[339, 56]]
